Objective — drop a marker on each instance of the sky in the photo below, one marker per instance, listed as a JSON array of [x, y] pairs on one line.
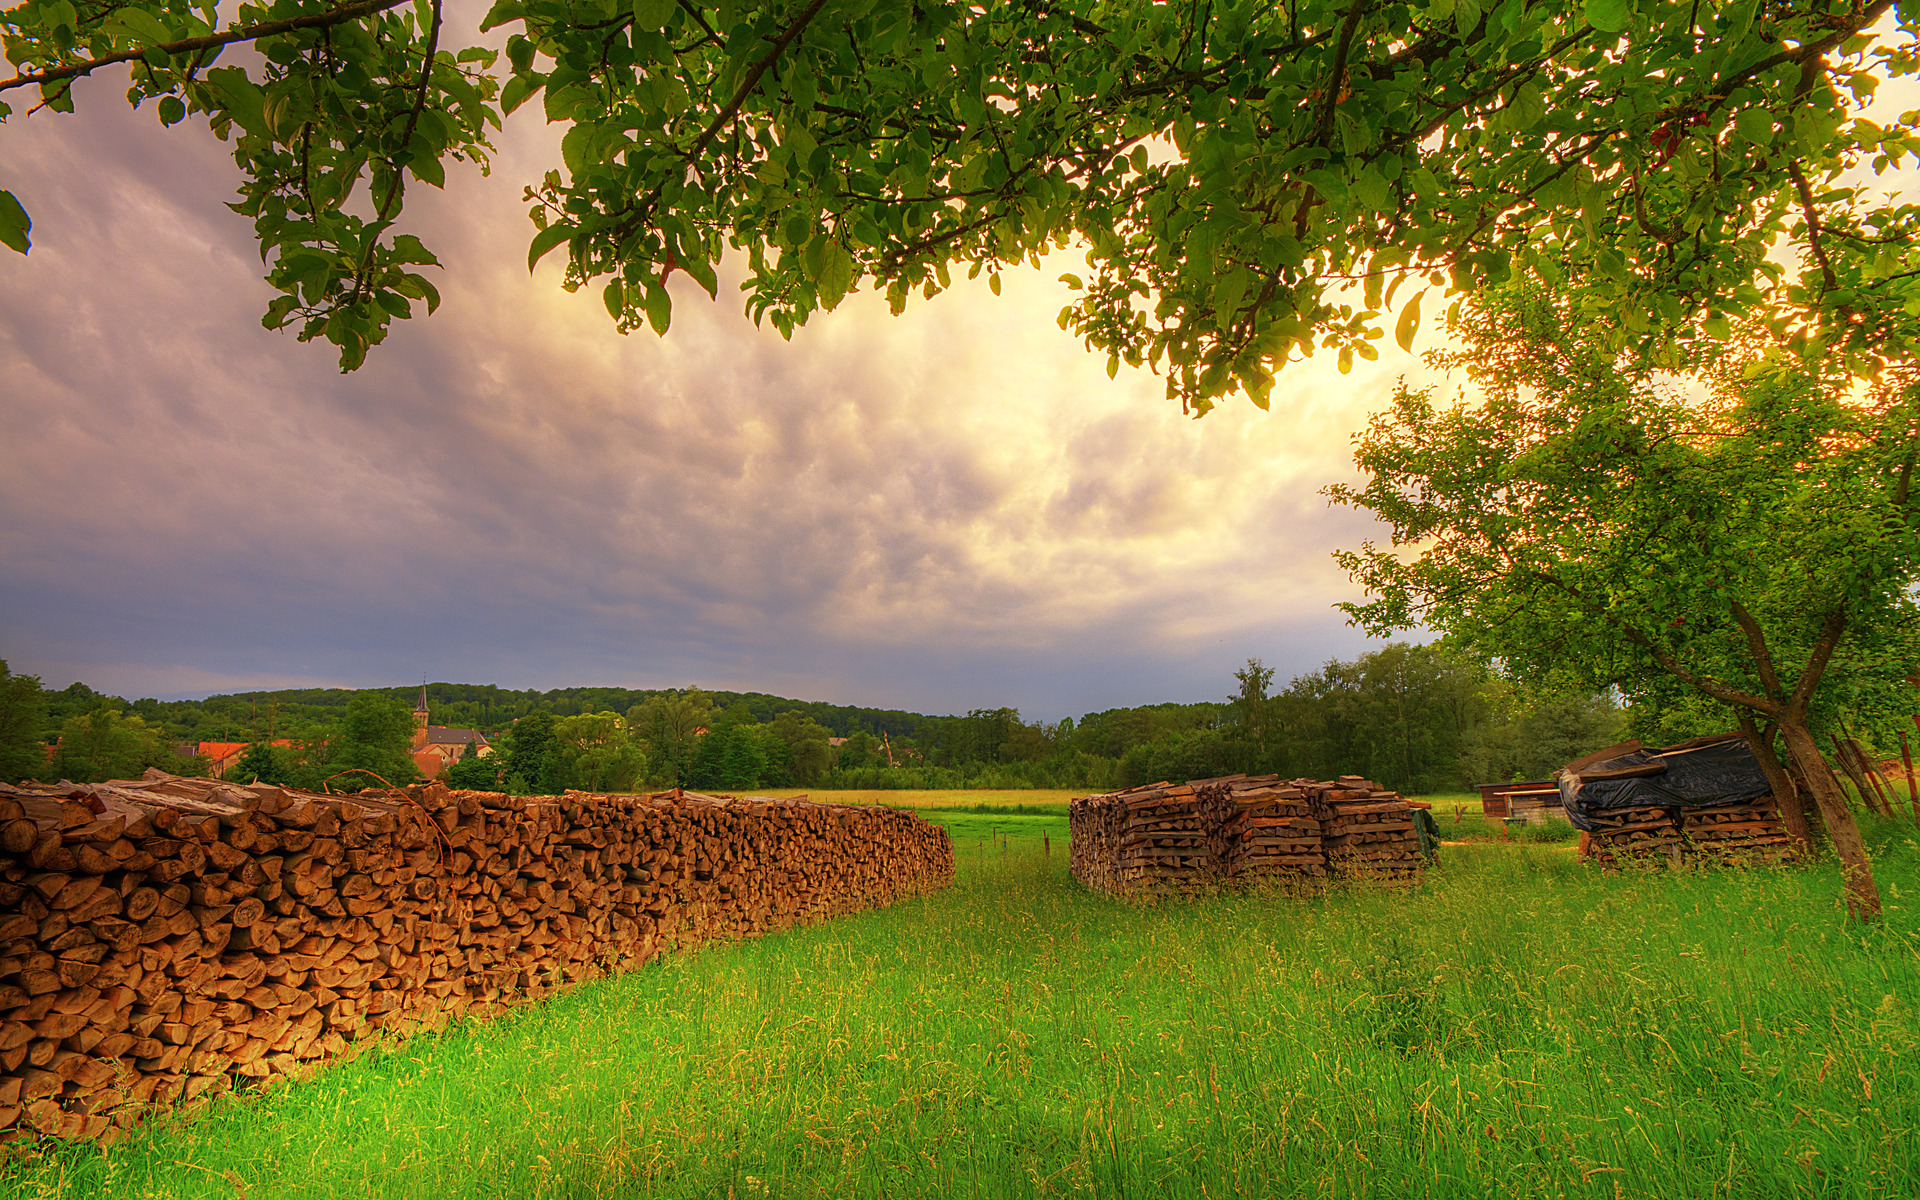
[[947, 510]]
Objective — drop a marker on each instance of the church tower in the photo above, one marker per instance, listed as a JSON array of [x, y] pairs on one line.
[[420, 720]]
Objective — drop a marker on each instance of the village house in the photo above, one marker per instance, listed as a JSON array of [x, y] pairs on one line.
[[436, 746]]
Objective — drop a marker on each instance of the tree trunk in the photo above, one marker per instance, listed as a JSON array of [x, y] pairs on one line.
[[1793, 809], [1863, 898]]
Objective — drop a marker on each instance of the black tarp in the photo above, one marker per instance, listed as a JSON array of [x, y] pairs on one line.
[[1684, 776]]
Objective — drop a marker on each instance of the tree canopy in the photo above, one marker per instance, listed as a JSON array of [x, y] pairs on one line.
[[1231, 167], [1744, 532]]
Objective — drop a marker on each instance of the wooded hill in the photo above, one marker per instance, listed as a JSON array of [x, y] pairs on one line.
[[1411, 717]]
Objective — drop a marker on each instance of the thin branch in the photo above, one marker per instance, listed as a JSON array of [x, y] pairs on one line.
[[751, 81], [1804, 54], [1704, 683], [245, 33], [406, 141], [1812, 214], [1830, 631]]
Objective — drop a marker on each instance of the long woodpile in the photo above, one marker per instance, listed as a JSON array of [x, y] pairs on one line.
[[1194, 837], [165, 939], [1367, 831], [1149, 838]]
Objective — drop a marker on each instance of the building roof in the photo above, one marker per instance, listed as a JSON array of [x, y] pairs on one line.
[[441, 735]]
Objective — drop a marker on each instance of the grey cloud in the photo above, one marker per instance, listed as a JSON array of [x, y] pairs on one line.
[[951, 509]]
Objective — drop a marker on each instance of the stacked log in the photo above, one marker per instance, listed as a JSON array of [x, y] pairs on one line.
[[1145, 839], [1636, 835], [1193, 837], [1746, 834], [1739, 834], [166, 939], [1261, 828], [1366, 831]]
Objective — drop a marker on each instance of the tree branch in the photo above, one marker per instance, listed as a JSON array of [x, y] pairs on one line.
[[245, 33], [1830, 631], [1804, 53], [1812, 214], [1762, 656], [1340, 51], [406, 142]]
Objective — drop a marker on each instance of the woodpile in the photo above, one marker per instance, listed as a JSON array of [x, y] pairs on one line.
[[1738, 834], [1262, 828], [167, 939], [1193, 837], [1731, 834], [1366, 831], [1145, 839], [1643, 835]]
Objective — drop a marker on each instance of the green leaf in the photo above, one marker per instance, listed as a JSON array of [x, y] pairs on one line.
[[502, 12], [1609, 16], [172, 110], [836, 274], [144, 25], [615, 297], [1409, 323], [14, 223], [243, 99], [518, 90], [545, 241], [651, 14], [659, 306]]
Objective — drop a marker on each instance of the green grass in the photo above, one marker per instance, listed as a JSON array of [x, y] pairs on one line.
[[980, 799], [1520, 1026]]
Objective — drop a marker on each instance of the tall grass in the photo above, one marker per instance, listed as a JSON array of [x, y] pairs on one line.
[[1519, 1026]]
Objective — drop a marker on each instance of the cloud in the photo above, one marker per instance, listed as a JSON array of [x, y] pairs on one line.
[[944, 510]]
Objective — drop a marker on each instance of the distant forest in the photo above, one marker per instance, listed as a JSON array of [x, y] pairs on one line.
[[1412, 717]]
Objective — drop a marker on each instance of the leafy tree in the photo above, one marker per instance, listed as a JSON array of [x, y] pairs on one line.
[[670, 724], [475, 773], [109, 744], [23, 714], [1582, 521], [258, 763], [594, 753], [809, 756], [1250, 706], [532, 757], [377, 736], [1230, 166], [727, 758]]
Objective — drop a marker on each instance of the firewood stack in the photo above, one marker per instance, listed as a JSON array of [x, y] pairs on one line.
[[1745, 834], [1147, 839], [165, 939], [1193, 837], [1635, 835], [1261, 828], [1367, 832], [1738, 834]]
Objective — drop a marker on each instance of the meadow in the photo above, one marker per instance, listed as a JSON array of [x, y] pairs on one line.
[[1521, 1025]]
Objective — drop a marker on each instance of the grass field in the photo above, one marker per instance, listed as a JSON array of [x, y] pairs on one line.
[[1519, 1026], [982, 798]]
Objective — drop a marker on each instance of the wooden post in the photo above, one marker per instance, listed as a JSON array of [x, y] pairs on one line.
[[1913, 788], [1853, 772]]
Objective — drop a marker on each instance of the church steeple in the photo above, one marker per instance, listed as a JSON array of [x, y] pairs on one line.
[[420, 720]]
